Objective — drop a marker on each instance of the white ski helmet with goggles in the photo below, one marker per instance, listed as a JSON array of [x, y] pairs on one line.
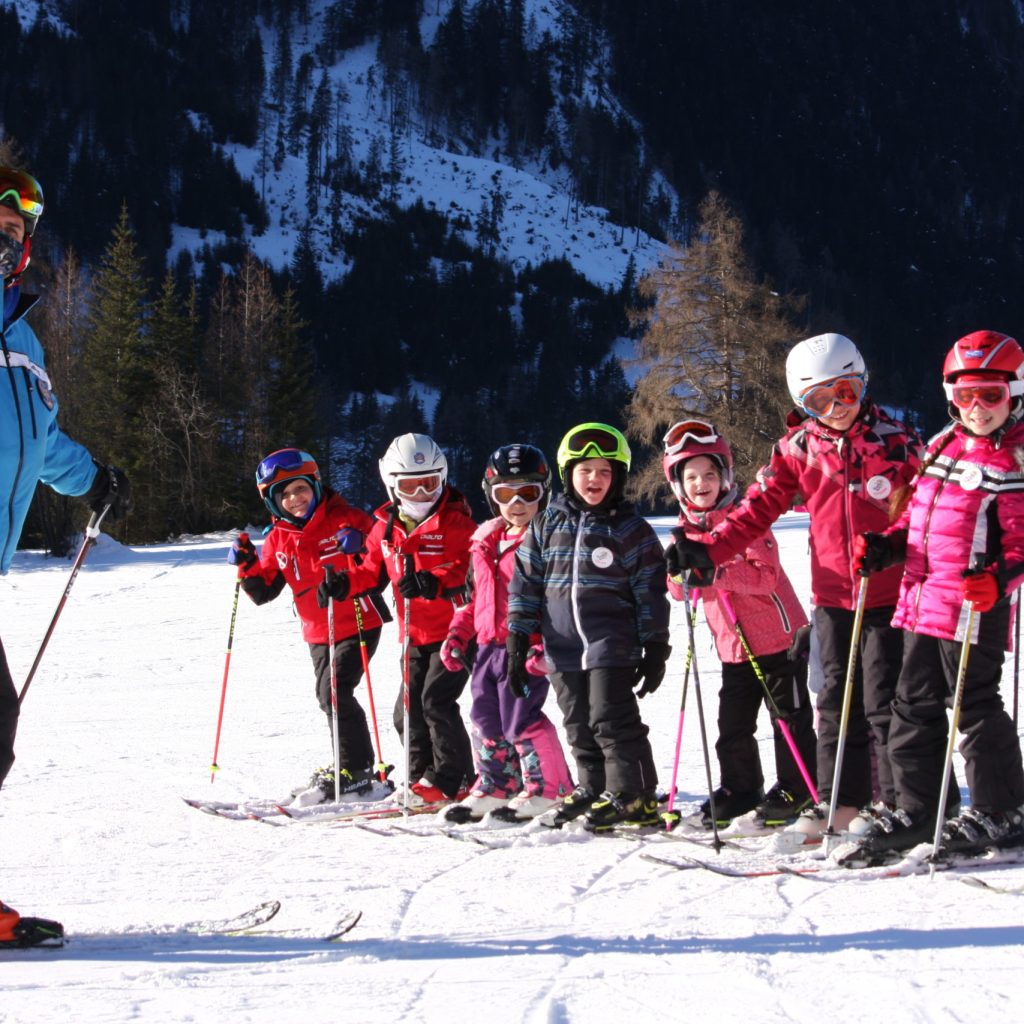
[[414, 469], [686, 440], [822, 358]]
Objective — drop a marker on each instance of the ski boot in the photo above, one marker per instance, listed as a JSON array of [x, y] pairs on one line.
[[571, 807], [614, 809], [21, 932], [780, 807]]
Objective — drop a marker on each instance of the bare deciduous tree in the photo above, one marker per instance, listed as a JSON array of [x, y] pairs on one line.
[[713, 346]]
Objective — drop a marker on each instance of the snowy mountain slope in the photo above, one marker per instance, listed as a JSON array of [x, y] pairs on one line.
[[120, 723], [540, 220]]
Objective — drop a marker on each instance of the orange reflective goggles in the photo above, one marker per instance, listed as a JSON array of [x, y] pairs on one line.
[[821, 399]]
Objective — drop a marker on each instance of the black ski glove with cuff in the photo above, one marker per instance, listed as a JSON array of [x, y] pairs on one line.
[[651, 670], [691, 557], [518, 647], [419, 584], [110, 487]]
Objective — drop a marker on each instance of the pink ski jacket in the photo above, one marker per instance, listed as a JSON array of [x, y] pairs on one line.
[[845, 481], [969, 500], [491, 569], [762, 597]]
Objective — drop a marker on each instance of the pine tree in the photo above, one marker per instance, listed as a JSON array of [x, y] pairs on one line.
[[119, 377], [714, 345]]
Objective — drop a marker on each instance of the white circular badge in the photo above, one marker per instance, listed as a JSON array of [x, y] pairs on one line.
[[602, 558], [879, 488], [970, 477]]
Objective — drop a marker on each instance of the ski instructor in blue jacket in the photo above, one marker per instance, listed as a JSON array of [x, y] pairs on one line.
[[32, 449]]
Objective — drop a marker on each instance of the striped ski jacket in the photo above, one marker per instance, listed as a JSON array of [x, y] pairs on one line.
[[592, 583]]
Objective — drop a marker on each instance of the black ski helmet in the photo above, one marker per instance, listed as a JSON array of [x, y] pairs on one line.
[[516, 463]]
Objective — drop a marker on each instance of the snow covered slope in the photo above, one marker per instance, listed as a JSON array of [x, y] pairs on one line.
[[120, 724]]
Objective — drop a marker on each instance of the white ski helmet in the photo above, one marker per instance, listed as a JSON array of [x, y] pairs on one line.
[[821, 358], [414, 457]]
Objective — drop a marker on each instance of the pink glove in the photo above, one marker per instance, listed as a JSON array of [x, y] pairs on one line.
[[453, 655], [536, 662]]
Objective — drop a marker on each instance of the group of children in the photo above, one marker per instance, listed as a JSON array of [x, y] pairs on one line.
[[571, 590]]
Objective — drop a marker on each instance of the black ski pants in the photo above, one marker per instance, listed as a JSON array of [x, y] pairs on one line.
[[8, 716], [603, 725], [739, 702], [880, 655], [354, 749], [439, 747], [920, 730]]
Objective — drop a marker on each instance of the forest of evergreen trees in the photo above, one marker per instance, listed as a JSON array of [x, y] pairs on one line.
[[866, 149]]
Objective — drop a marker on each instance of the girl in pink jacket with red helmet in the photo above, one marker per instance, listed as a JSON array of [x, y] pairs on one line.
[[961, 541], [750, 589]]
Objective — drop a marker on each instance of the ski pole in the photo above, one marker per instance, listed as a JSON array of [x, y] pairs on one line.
[[92, 531], [670, 817], [703, 727], [779, 720], [844, 718], [328, 574], [214, 767], [410, 567], [381, 768], [1016, 663], [958, 696]]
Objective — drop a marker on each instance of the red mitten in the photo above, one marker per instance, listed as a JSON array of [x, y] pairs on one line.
[[981, 589]]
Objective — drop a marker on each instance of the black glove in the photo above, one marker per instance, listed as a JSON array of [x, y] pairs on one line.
[[651, 669], [110, 487], [800, 648], [872, 552], [419, 584], [518, 647], [335, 585], [689, 556], [243, 553]]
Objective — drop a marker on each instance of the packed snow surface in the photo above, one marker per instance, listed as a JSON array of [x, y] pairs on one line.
[[120, 724]]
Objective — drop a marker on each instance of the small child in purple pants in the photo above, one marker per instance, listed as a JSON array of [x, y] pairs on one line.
[[521, 769]]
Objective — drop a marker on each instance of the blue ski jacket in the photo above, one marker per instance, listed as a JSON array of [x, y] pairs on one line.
[[32, 447]]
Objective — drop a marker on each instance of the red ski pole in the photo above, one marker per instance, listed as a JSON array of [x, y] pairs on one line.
[[214, 767], [381, 768], [671, 816]]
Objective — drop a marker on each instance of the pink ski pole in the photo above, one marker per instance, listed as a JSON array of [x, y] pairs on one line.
[[670, 818], [779, 720]]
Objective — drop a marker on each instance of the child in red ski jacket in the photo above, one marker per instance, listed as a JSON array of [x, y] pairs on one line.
[[750, 590], [420, 540], [314, 529]]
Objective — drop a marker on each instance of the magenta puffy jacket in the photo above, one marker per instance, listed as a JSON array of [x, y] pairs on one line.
[[970, 499], [762, 597], [845, 481]]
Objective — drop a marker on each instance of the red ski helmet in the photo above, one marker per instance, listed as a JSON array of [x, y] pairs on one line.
[[985, 353], [686, 440]]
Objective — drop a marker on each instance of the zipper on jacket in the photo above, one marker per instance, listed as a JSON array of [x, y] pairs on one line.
[[574, 591], [919, 586], [21, 444]]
